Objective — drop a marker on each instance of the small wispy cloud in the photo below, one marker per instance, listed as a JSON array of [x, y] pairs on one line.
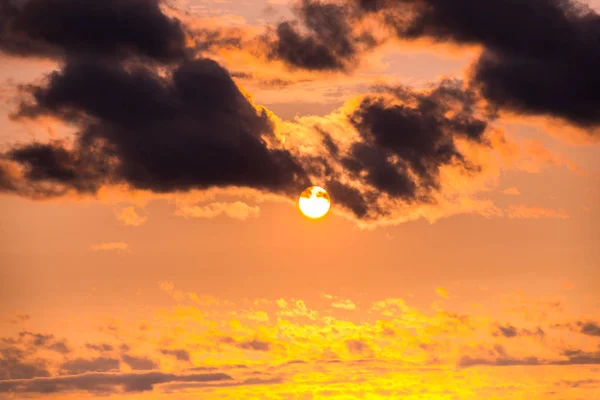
[[336, 302], [130, 217], [513, 191], [111, 246], [442, 292], [17, 318], [237, 210], [524, 212]]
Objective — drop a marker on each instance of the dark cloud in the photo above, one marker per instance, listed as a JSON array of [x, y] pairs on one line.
[[579, 357], [190, 129], [420, 136], [82, 365], [38, 339], [7, 184], [357, 346], [255, 344], [581, 383], [115, 28], [467, 361], [179, 354], [16, 318], [139, 363], [508, 331], [13, 365], [329, 42], [572, 357], [102, 347], [101, 382], [178, 387], [33, 342], [350, 197], [329, 143], [83, 170], [405, 137], [538, 332], [541, 56], [59, 347], [590, 328]]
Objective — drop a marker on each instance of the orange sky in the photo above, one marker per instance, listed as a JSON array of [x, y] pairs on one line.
[[490, 294]]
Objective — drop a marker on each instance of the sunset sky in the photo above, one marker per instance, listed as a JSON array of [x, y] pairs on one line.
[[152, 154]]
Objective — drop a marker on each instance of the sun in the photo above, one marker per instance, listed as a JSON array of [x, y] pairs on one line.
[[314, 202]]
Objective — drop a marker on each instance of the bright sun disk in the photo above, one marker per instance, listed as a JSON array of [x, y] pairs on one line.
[[314, 202]]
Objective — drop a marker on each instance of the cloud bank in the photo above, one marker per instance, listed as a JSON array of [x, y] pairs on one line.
[[154, 113]]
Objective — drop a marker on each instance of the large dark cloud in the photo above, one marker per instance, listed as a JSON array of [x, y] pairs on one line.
[[103, 382], [107, 28], [540, 57], [323, 38], [405, 138], [184, 128], [190, 129]]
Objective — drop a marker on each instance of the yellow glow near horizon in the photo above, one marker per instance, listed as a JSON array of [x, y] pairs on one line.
[[314, 202]]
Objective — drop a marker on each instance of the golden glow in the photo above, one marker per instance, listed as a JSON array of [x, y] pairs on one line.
[[314, 202]]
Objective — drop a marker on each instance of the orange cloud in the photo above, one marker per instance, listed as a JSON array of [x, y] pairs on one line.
[[538, 156], [237, 210], [314, 347], [442, 292], [513, 191], [524, 212], [121, 246], [336, 302], [129, 217]]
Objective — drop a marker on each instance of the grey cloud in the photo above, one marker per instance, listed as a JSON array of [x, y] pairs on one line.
[[14, 365], [139, 363], [179, 354], [590, 328], [83, 365], [102, 347], [255, 344], [103, 383]]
